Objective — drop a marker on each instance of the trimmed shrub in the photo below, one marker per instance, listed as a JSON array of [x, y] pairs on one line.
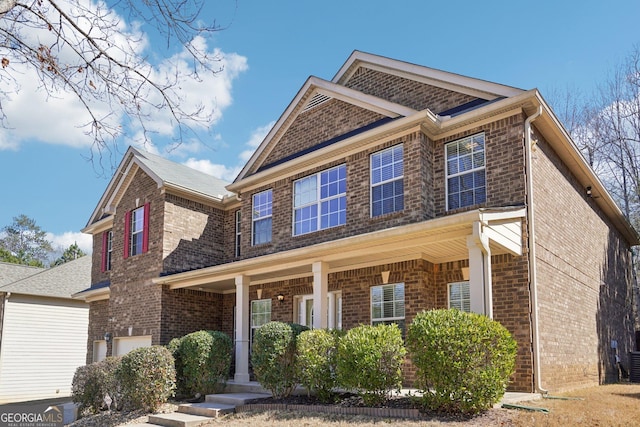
[[370, 360], [91, 383], [273, 356], [463, 360], [148, 377], [317, 355], [204, 361], [174, 348]]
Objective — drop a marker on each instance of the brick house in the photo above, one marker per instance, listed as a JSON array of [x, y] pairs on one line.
[[390, 189]]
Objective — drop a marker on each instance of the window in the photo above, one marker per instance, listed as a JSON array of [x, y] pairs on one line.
[[260, 314], [466, 172], [262, 217], [459, 296], [107, 249], [387, 184], [136, 230], [238, 232], [387, 305], [320, 201]]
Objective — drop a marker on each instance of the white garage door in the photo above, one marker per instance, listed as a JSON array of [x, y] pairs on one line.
[[44, 340], [125, 344]]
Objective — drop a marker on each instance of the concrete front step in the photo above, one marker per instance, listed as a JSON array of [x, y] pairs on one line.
[[206, 409], [234, 399], [178, 419]]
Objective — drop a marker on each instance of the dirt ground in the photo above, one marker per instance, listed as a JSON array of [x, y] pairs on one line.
[[609, 405]]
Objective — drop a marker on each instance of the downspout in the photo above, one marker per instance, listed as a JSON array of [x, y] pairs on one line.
[[533, 285]]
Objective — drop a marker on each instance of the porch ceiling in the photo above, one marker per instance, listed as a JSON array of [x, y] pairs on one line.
[[437, 241]]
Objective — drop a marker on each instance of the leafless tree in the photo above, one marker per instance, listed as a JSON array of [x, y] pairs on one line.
[[85, 48]]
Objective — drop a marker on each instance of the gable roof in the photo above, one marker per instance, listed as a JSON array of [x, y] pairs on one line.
[[316, 90], [59, 282], [10, 272], [173, 176]]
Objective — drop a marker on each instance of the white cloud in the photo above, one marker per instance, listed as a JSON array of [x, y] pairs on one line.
[[217, 170], [64, 240], [53, 115], [257, 136]]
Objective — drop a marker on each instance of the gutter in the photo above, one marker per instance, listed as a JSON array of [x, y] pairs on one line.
[[533, 285]]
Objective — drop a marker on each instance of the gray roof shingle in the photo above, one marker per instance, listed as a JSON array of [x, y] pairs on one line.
[[182, 176], [59, 282], [10, 273]]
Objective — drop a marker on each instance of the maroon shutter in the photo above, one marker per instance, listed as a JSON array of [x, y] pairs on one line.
[[127, 230], [145, 229], [105, 239]]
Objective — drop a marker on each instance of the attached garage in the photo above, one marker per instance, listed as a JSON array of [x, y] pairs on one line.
[[124, 345], [43, 333]]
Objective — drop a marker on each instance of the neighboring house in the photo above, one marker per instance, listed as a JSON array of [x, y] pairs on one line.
[[43, 330], [391, 189]]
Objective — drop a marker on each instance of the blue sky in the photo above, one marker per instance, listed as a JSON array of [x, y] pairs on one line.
[[272, 47]]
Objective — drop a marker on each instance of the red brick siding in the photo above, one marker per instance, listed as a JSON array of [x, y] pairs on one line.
[[583, 287], [409, 93], [504, 152], [98, 325], [185, 311], [322, 123], [193, 235]]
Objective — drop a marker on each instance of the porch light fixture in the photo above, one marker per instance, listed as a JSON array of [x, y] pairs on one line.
[[107, 336], [588, 191], [259, 292], [280, 297], [465, 273], [385, 276]]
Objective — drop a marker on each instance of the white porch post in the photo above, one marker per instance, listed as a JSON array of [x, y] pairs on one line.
[[320, 290], [480, 287], [242, 330]]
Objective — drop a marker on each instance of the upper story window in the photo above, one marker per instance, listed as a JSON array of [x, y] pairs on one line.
[[238, 232], [387, 305], [136, 230], [320, 201], [387, 183], [459, 296], [466, 184], [261, 218], [107, 250]]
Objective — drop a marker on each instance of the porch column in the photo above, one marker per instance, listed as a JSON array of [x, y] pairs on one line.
[[480, 288], [320, 290], [242, 330]]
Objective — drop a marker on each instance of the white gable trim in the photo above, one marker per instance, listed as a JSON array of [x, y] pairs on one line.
[[315, 85], [459, 83]]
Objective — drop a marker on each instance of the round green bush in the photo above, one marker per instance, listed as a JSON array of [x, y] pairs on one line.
[[317, 354], [370, 361], [148, 377], [463, 360], [203, 361], [91, 383], [273, 357]]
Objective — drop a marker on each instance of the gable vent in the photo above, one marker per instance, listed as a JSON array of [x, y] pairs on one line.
[[317, 99]]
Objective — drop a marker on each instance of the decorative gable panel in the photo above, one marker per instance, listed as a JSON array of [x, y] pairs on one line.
[[403, 91]]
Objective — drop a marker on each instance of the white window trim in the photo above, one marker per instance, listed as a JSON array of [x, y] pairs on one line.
[[371, 185], [254, 220], [334, 308], [318, 202], [446, 167], [253, 327], [109, 253], [136, 231], [449, 294], [386, 319]]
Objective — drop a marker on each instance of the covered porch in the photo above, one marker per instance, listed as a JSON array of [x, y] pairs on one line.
[[474, 236]]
